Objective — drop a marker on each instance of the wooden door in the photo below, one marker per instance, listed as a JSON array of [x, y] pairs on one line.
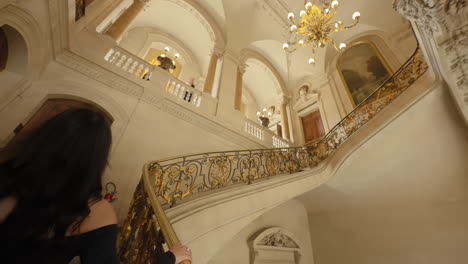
[[49, 109], [312, 126]]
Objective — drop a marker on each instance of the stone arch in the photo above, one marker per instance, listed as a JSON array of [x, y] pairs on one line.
[[41, 91], [27, 26], [248, 53], [84, 93], [190, 65], [274, 240], [213, 29], [16, 57]]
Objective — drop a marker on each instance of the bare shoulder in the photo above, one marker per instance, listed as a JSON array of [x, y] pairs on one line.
[[101, 214]]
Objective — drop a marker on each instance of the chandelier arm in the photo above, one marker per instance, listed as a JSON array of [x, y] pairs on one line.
[[353, 25], [334, 45], [332, 15]]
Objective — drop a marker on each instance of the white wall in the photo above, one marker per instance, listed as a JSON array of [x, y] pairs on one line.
[[290, 216]]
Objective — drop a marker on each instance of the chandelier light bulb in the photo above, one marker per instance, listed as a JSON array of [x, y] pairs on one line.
[[177, 55], [167, 49], [356, 15], [269, 113], [315, 28], [334, 4], [258, 113], [264, 110]]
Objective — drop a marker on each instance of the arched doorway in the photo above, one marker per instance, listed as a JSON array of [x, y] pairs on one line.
[[3, 50], [49, 109], [13, 60]]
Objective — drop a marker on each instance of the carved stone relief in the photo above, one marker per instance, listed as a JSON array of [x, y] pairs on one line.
[[278, 239], [446, 22]]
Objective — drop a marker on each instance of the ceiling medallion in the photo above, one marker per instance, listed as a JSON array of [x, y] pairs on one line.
[[314, 28]]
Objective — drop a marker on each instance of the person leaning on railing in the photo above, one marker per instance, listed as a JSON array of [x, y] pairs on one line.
[[51, 207]]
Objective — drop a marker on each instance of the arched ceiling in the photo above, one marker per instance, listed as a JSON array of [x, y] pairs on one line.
[[260, 24], [182, 24], [216, 9], [261, 83]]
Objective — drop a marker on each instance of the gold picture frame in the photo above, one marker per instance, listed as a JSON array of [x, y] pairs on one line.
[[362, 72]]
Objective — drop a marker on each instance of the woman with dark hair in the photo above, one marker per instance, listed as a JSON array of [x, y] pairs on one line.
[[51, 207]]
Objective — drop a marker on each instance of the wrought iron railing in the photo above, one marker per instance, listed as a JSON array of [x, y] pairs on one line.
[[187, 177]]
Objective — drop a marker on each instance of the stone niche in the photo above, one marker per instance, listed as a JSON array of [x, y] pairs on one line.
[[274, 245]]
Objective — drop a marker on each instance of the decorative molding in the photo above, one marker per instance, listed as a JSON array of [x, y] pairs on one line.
[[100, 74], [277, 239], [59, 21], [445, 22], [305, 100]]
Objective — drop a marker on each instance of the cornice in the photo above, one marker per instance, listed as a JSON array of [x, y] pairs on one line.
[[115, 81], [99, 74]]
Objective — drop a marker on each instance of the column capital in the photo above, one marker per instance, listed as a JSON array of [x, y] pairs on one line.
[[217, 51], [242, 67], [283, 99]]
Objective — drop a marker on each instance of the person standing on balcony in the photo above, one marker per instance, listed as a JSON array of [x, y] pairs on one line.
[[51, 207]]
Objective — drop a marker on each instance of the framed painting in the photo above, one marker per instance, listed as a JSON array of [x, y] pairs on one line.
[[362, 69]]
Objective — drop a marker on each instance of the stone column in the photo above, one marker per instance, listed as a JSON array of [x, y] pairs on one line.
[[284, 117], [442, 29], [122, 23], [209, 82], [239, 84]]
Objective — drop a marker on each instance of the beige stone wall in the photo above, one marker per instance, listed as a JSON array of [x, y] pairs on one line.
[[401, 197], [141, 131], [290, 216]]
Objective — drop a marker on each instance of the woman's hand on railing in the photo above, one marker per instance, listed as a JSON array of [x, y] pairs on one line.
[[181, 253]]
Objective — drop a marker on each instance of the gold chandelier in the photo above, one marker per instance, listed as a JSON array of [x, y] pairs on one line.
[[315, 27]]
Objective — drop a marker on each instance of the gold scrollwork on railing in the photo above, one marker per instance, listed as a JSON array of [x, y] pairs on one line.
[[138, 239], [176, 179]]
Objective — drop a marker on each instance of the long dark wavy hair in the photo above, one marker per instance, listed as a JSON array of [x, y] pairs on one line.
[[55, 175]]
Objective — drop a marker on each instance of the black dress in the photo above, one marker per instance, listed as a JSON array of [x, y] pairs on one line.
[[94, 247]]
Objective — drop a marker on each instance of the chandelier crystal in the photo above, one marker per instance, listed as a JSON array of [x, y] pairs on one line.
[[314, 27]]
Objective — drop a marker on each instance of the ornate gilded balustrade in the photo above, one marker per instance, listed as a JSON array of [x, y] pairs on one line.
[[139, 240], [187, 177]]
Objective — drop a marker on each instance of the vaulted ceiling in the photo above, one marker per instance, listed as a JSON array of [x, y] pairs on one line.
[[260, 25]]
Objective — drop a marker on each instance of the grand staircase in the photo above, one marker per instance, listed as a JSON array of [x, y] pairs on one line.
[[169, 183]]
